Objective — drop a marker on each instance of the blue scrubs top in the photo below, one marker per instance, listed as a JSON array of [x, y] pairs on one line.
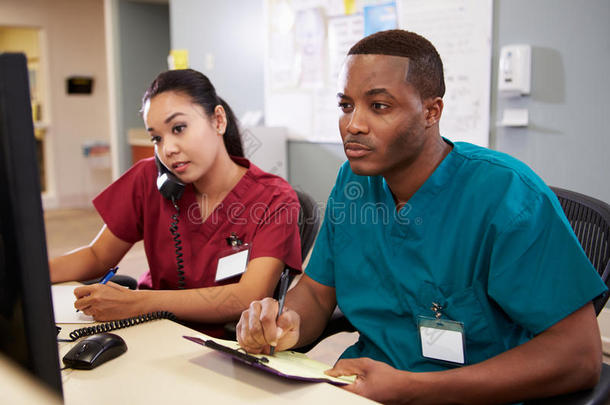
[[484, 237]]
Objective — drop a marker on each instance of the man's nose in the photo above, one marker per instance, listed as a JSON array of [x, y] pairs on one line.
[[357, 123]]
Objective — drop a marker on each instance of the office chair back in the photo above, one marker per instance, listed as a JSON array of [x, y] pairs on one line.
[[590, 220], [120, 279], [309, 222]]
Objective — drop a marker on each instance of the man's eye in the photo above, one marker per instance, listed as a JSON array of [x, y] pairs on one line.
[[155, 139], [380, 106], [178, 129]]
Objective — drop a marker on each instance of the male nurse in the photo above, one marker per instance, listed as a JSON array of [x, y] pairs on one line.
[[455, 263]]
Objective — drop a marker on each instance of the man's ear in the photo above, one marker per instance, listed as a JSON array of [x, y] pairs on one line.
[[434, 110], [220, 119]]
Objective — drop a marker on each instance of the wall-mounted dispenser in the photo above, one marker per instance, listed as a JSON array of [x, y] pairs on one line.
[[514, 73]]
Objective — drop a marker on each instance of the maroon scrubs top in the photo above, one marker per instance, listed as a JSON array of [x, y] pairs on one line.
[[262, 210]]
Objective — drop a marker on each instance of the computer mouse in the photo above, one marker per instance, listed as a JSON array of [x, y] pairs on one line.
[[95, 350]]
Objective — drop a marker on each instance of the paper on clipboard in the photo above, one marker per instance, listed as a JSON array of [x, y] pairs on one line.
[[288, 364]]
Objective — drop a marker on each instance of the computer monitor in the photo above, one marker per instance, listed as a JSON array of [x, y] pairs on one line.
[[27, 327]]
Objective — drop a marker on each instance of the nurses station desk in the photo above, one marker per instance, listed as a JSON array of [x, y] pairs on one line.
[[160, 366]]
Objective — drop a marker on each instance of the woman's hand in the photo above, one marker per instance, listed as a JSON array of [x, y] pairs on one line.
[[106, 302]]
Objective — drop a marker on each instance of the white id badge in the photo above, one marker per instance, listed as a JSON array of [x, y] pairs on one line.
[[442, 340], [233, 262]]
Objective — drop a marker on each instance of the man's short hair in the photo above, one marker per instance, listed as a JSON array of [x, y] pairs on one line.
[[425, 65]]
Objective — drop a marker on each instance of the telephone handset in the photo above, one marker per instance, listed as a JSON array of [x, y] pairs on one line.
[[171, 188], [167, 183]]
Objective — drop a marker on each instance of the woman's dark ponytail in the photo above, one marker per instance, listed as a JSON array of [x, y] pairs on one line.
[[202, 92]]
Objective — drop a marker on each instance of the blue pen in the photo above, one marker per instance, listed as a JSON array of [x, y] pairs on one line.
[[107, 277]]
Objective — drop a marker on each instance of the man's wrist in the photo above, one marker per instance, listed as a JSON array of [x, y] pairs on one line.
[[422, 387]]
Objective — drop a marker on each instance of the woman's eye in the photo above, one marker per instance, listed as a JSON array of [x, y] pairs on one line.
[[178, 128], [155, 139], [344, 106]]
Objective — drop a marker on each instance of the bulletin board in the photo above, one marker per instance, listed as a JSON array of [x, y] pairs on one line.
[[307, 41]]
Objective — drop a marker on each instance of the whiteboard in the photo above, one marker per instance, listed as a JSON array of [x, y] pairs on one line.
[[306, 44], [461, 32]]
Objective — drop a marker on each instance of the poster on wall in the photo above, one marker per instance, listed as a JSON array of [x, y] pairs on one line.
[[379, 17], [343, 32], [309, 39], [282, 68]]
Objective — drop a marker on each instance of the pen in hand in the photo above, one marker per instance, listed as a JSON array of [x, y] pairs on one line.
[[107, 276], [284, 281]]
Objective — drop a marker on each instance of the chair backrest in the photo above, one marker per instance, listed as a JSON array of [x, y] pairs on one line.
[[309, 222], [590, 219]]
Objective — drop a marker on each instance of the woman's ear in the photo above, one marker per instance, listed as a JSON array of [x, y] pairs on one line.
[[434, 110], [220, 119]]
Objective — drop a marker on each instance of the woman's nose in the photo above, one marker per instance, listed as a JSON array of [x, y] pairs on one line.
[[170, 147]]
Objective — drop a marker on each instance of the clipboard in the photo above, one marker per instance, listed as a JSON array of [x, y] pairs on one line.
[[287, 364]]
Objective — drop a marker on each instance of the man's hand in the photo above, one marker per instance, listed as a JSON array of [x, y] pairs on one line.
[[376, 380], [106, 302], [564, 358], [257, 329]]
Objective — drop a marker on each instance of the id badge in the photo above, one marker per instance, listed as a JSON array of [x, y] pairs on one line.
[[442, 340], [232, 262]]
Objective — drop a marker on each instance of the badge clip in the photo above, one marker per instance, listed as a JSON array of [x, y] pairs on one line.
[[233, 261], [234, 241], [442, 340]]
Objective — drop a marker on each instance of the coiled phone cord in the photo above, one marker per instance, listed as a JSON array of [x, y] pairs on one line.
[[173, 228], [120, 324]]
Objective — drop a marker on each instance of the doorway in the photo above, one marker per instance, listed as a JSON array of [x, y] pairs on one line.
[[27, 40]]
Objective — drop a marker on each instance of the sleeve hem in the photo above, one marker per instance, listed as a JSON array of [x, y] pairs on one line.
[[111, 227], [561, 316], [319, 280], [286, 261]]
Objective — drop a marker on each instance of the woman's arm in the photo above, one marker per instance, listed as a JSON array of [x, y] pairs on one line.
[[209, 305], [90, 261]]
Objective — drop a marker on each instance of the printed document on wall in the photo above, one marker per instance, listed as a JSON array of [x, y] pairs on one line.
[[461, 32]]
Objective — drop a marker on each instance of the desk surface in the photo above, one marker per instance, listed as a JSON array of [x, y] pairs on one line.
[[161, 366], [19, 387]]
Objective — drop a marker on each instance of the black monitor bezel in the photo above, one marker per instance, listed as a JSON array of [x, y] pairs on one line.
[[27, 311]]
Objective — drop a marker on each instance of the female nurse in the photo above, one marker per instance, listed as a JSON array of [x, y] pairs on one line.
[[219, 246]]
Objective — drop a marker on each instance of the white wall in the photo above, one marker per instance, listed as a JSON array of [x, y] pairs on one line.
[[225, 40], [73, 44], [568, 139], [142, 49]]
